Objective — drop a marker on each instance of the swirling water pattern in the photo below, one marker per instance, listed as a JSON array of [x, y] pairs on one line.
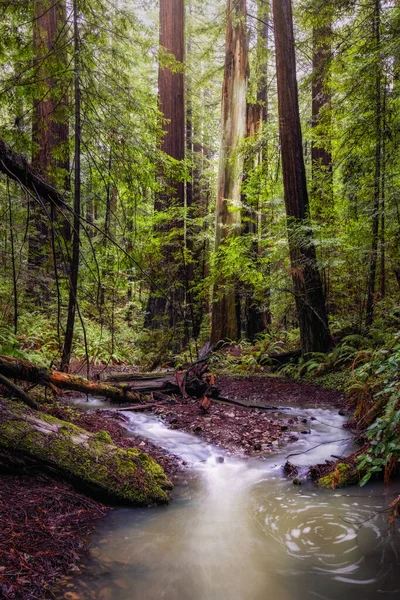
[[240, 530]]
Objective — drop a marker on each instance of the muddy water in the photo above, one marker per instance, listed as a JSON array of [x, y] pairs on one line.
[[239, 530]]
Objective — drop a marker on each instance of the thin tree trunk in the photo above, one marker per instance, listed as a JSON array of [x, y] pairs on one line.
[[382, 274], [73, 287], [14, 270], [310, 303], [321, 153], [378, 172], [225, 322]]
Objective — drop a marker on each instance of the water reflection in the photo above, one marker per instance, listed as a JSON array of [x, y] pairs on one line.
[[238, 530]]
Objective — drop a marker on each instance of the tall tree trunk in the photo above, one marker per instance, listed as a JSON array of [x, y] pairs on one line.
[[310, 304], [225, 322], [378, 170], [172, 106], [73, 286], [50, 130], [257, 311], [321, 153]]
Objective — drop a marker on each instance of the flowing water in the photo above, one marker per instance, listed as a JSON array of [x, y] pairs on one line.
[[239, 530]]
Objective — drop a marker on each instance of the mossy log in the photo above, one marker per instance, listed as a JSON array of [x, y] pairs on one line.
[[26, 371], [125, 476], [341, 475]]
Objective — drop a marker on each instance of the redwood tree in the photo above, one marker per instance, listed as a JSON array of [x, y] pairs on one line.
[[225, 322], [167, 292], [309, 296], [50, 128]]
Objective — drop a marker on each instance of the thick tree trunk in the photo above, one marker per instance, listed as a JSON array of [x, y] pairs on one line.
[[310, 303], [225, 322], [89, 460], [50, 132], [26, 371], [166, 310]]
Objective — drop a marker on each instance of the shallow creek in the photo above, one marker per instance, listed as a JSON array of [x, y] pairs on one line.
[[240, 530]]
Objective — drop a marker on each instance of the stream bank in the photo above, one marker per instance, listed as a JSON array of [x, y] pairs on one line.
[[239, 530], [234, 429]]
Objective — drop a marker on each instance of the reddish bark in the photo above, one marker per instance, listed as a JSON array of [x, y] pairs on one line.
[[172, 106], [309, 296], [50, 129]]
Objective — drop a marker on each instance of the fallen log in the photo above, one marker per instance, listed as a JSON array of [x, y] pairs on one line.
[[125, 376], [24, 370], [146, 384], [126, 476], [18, 392]]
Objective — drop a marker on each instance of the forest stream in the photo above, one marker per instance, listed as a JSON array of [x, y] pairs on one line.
[[238, 529]]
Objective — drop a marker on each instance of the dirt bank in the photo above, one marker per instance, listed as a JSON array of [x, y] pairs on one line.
[[269, 390], [46, 525]]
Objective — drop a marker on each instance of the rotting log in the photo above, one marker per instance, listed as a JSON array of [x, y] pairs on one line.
[[145, 384], [125, 476], [127, 376], [26, 371]]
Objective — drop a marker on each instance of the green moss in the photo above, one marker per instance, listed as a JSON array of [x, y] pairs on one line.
[[342, 475], [129, 475], [103, 436]]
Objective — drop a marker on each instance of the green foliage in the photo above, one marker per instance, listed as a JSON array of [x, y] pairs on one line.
[[381, 376]]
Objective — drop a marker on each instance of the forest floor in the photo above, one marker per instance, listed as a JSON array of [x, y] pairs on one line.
[[250, 431], [47, 524]]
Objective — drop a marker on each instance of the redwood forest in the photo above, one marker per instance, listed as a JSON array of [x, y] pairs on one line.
[[199, 299]]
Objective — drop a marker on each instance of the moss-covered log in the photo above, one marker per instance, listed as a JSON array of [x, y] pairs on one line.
[[126, 476], [340, 475], [27, 371]]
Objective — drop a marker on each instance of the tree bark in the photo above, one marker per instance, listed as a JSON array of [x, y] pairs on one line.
[[225, 321], [172, 105], [310, 302], [90, 460], [50, 131]]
